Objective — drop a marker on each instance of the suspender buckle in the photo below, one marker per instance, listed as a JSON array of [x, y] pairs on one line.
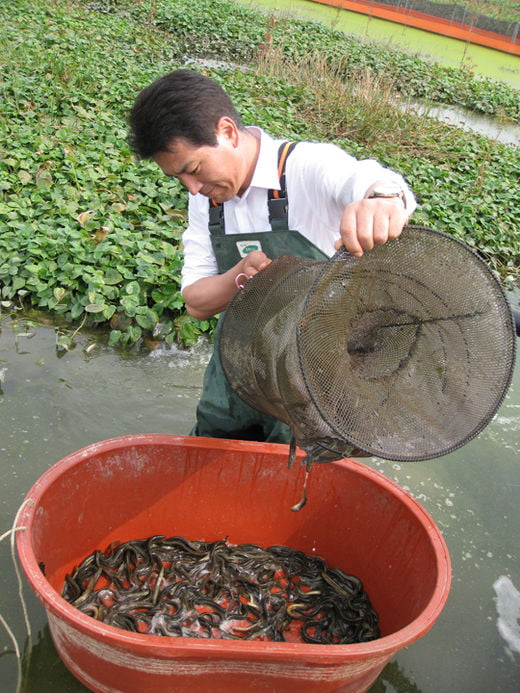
[[278, 208]]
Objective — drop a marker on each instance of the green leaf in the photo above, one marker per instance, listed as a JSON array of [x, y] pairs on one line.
[[18, 283], [129, 304], [59, 293], [95, 308], [133, 288], [146, 318], [114, 337], [108, 312], [112, 276]]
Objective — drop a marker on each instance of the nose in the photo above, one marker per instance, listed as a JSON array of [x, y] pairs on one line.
[[191, 183]]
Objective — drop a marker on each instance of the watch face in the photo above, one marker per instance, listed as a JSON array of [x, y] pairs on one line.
[[389, 190]]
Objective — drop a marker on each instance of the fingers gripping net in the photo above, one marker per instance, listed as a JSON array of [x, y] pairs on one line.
[[405, 353]]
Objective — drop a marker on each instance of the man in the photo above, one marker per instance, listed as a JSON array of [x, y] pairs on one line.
[[188, 125]]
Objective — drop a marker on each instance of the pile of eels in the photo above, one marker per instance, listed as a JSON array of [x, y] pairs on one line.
[[180, 588]]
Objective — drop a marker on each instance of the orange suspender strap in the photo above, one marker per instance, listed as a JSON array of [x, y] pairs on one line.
[[276, 198], [283, 153], [277, 201]]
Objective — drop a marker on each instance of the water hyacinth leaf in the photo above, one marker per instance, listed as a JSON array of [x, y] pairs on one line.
[[146, 318], [112, 276], [168, 296], [133, 333], [132, 288], [24, 177], [168, 250], [76, 310], [59, 293], [114, 337], [44, 179], [94, 308], [129, 305], [150, 259], [108, 312], [61, 308]]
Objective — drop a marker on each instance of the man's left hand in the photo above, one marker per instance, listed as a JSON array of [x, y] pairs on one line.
[[369, 222]]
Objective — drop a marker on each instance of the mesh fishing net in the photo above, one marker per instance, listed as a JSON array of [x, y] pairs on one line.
[[405, 353]]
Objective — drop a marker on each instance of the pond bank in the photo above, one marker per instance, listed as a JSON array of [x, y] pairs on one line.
[[494, 129]]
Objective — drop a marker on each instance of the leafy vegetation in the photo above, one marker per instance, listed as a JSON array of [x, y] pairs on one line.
[[222, 30], [94, 236]]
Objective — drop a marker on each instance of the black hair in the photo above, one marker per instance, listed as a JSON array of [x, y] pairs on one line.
[[183, 103]]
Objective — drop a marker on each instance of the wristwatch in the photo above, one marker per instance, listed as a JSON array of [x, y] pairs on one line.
[[388, 190]]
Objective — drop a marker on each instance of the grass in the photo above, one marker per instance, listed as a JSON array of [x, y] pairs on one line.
[[365, 109], [93, 236]]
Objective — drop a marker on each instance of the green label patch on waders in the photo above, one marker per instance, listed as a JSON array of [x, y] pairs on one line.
[[231, 248]]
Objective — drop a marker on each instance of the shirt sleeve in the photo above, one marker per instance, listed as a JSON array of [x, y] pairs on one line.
[[322, 179], [331, 175], [199, 258]]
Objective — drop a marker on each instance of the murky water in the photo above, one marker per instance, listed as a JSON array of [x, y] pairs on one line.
[[53, 404], [502, 132]]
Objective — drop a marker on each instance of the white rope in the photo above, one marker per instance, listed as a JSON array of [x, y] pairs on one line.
[[27, 501], [11, 533], [16, 651]]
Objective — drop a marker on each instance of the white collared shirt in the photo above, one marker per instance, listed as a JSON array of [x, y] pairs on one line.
[[321, 180]]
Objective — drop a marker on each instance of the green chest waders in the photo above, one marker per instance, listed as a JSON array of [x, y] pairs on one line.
[[220, 412]]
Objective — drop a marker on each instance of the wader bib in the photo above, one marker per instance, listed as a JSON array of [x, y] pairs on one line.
[[220, 412]]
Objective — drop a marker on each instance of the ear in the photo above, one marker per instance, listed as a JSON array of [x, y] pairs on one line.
[[227, 131]]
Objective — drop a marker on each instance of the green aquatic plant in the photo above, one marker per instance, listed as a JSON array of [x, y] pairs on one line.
[[94, 236]]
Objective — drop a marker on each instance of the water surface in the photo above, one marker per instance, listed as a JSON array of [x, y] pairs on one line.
[[54, 403]]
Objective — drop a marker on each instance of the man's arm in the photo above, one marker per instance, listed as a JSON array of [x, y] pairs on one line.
[[364, 224], [208, 296]]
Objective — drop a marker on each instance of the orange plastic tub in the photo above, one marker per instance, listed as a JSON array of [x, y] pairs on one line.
[[205, 489]]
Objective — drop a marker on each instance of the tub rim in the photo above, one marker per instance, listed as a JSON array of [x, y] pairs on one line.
[[195, 648]]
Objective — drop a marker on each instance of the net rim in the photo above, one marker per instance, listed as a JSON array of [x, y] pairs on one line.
[[485, 420]]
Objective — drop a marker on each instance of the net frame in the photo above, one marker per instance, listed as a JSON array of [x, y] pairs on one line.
[[257, 366]]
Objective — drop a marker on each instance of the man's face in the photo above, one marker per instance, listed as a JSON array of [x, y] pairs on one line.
[[216, 172]]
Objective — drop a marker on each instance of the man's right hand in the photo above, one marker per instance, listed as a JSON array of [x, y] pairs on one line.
[[211, 295], [252, 263]]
